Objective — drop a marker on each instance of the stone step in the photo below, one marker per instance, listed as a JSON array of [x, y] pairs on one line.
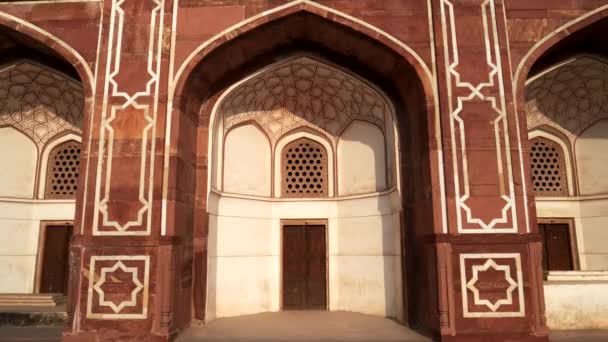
[[35, 299], [32, 310], [38, 317]]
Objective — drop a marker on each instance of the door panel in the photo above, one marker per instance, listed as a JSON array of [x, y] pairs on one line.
[[304, 268], [557, 254], [316, 277], [54, 273], [294, 266]]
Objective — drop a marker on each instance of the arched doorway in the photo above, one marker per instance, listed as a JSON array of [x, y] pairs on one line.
[[42, 101], [396, 73], [303, 190], [566, 112]]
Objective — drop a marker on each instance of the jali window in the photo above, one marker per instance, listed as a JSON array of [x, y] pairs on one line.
[[548, 168], [304, 169], [62, 171]]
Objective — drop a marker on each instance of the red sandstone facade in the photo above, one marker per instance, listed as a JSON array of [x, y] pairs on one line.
[[153, 69]]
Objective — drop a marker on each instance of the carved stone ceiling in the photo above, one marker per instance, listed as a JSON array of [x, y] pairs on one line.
[[303, 92], [569, 98], [39, 101]]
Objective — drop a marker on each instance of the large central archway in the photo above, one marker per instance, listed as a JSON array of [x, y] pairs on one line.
[[349, 47], [299, 141]]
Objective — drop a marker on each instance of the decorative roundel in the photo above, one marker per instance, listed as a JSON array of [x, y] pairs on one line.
[[304, 169], [548, 169], [62, 171]]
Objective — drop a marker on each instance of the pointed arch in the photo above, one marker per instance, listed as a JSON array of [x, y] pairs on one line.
[[404, 67], [544, 44], [302, 27], [54, 43], [290, 8]]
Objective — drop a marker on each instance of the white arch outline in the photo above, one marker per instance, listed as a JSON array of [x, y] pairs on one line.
[[515, 83], [598, 58], [295, 3], [54, 38], [542, 41]]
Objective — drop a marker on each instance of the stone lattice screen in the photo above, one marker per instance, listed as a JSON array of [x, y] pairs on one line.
[[548, 168], [304, 169], [63, 171]]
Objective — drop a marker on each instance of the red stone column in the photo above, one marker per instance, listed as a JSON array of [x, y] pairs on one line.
[[121, 282], [489, 275]]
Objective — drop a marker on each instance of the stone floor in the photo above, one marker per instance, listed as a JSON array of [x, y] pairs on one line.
[[302, 326], [579, 336], [30, 334], [292, 326]]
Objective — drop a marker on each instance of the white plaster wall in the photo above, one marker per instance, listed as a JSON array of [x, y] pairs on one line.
[[590, 214], [20, 229], [576, 305], [17, 273], [18, 155], [592, 159], [365, 264], [361, 159], [244, 264], [247, 168]]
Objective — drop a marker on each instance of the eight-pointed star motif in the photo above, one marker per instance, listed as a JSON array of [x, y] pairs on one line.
[[509, 291], [102, 279]]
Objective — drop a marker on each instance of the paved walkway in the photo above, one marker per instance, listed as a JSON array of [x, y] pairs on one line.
[[302, 326], [579, 336], [293, 326], [30, 334]]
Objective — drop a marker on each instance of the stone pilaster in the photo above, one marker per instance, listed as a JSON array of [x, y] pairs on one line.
[[490, 282], [122, 264]]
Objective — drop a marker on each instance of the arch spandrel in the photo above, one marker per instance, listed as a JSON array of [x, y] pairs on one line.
[[39, 101], [303, 92]]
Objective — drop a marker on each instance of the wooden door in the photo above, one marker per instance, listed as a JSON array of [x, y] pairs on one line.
[[304, 267], [557, 253], [55, 267]]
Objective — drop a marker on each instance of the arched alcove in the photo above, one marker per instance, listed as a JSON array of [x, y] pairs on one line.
[[351, 47], [247, 161], [45, 90], [362, 140], [564, 99], [304, 109], [19, 157]]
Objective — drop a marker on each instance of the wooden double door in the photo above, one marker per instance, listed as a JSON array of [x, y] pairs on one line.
[[304, 267]]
